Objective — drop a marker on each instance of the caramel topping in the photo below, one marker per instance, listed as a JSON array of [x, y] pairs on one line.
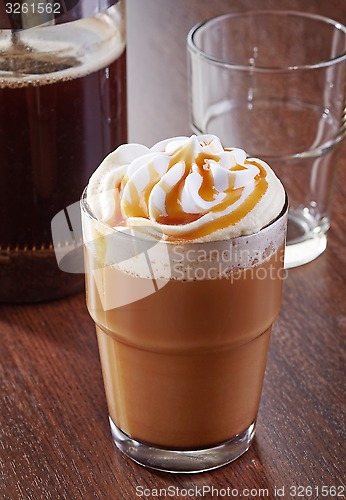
[[178, 219], [187, 188], [207, 191], [232, 218], [138, 207], [184, 191], [239, 213], [175, 213]]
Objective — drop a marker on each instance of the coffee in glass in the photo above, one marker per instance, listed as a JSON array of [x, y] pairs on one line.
[[183, 310]]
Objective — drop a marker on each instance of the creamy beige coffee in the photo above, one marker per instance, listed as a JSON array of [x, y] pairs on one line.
[[183, 328]]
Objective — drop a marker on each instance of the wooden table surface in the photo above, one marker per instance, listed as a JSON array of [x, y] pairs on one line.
[[55, 440]]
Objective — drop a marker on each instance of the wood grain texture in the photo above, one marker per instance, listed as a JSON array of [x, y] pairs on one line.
[[55, 439]]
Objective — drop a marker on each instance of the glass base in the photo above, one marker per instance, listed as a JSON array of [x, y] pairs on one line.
[[187, 461], [306, 238]]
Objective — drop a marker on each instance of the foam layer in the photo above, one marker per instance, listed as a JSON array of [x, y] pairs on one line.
[[185, 189], [145, 257]]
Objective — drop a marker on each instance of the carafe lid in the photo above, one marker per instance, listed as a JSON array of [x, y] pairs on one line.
[[21, 15]]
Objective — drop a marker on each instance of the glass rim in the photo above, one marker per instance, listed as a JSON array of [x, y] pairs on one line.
[[85, 207], [193, 48]]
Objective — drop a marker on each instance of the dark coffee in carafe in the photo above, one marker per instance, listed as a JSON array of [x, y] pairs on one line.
[[62, 110]]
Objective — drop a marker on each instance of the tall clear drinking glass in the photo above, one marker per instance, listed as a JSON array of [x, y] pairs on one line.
[[183, 332], [273, 83]]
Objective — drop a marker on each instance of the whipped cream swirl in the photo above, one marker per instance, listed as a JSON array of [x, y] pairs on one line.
[[185, 189]]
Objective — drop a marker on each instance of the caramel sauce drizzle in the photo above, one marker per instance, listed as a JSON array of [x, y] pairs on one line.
[[175, 214], [138, 206], [207, 191], [237, 214]]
